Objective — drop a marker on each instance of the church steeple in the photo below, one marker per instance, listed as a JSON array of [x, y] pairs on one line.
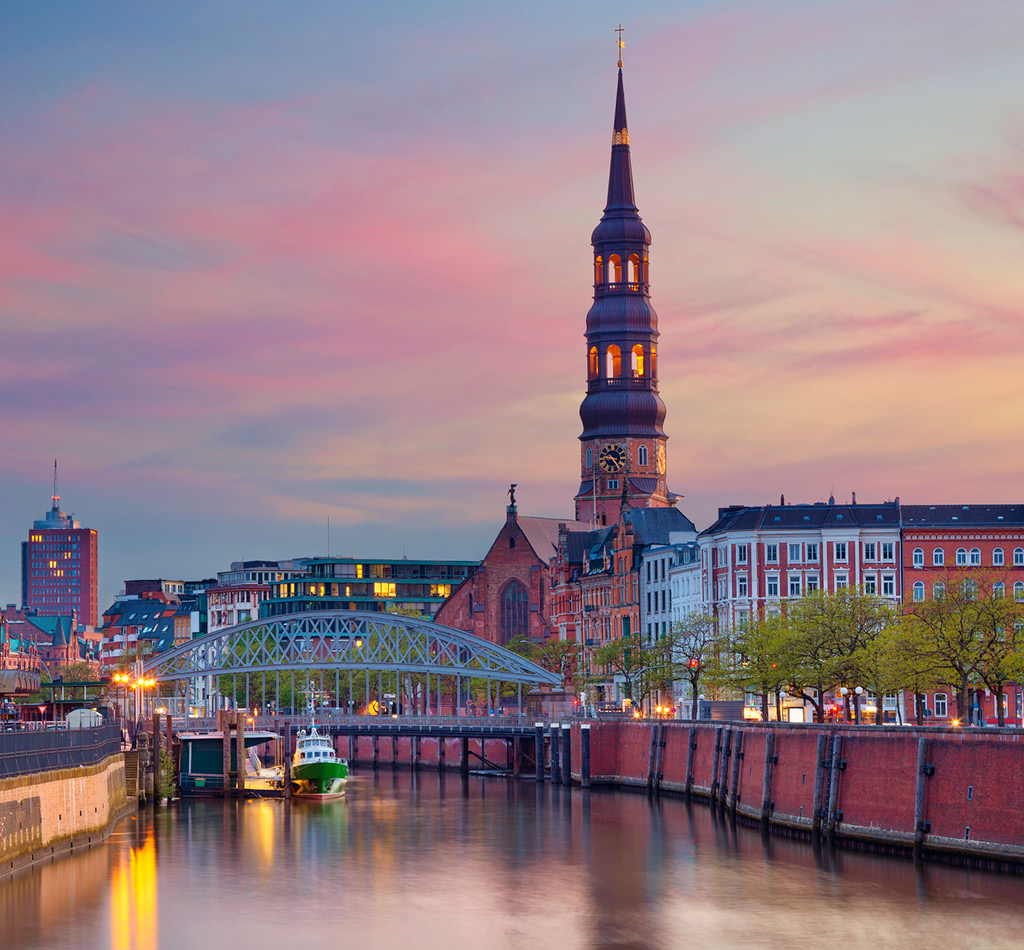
[[623, 440]]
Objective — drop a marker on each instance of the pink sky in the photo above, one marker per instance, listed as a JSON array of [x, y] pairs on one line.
[[249, 281]]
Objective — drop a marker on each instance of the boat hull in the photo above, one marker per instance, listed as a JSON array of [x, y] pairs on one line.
[[319, 781]]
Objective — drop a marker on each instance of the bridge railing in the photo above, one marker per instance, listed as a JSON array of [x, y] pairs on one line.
[[326, 721]]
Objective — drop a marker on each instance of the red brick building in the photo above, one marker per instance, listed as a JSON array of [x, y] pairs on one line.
[[508, 595], [59, 569]]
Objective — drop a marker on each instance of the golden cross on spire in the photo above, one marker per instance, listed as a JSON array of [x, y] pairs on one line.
[[622, 45]]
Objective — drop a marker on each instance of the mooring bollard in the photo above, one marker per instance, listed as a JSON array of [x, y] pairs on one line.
[[556, 760], [585, 754], [566, 753]]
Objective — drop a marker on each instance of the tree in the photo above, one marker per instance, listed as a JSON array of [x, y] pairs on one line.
[[903, 660], [957, 627], [832, 635], [1000, 621], [693, 642], [643, 668], [759, 660]]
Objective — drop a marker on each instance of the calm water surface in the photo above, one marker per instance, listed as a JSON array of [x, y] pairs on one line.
[[428, 862]]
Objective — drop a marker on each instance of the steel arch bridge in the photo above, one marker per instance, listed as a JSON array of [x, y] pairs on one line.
[[356, 641]]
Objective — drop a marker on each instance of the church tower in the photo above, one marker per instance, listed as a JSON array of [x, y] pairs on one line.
[[622, 451]]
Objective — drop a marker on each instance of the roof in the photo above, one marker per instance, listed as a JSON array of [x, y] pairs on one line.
[[542, 533], [654, 525], [580, 544], [805, 517], [952, 516]]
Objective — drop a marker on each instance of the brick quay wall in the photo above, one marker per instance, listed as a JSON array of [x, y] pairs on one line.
[[44, 814], [938, 792]]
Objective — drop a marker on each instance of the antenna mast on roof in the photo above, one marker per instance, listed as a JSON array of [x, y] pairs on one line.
[[55, 497]]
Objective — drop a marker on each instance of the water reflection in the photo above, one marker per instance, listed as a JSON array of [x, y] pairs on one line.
[[438, 862]]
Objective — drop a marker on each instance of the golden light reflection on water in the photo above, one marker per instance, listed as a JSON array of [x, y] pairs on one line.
[[133, 900]]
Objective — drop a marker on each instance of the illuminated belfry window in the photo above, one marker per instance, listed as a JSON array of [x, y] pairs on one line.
[[634, 272], [613, 362], [615, 268], [599, 270], [593, 370], [638, 360]]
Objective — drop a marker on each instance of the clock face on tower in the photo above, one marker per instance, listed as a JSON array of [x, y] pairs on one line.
[[661, 459], [612, 458]]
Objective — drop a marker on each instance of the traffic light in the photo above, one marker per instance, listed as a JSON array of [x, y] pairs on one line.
[[694, 664]]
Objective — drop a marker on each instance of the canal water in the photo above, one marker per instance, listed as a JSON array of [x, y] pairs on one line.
[[426, 861]]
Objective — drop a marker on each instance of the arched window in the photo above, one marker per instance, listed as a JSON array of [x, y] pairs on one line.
[[961, 557], [614, 269], [643, 276], [1018, 557], [515, 611], [938, 557], [599, 270], [918, 557], [939, 590], [637, 361], [998, 590], [975, 557], [1018, 590], [590, 457], [592, 367], [919, 590], [641, 455], [634, 269], [613, 362], [654, 361], [997, 557]]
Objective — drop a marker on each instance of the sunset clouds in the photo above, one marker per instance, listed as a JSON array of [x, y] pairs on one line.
[[257, 270]]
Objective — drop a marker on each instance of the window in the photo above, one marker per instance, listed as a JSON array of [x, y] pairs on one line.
[[771, 553], [940, 706], [771, 585], [794, 585], [794, 552], [842, 581], [741, 585], [641, 455], [515, 617], [637, 361], [975, 557], [812, 553], [592, 364], [961, 557], [613, 483], [613, 362], [812, 583], [919, 591], [840, 550], [870, 551], [1018, 557], [870, 583], [997, 557], [590, 457], [999, 590], [888, 585], [741, 554], [1018, 590], [918, 557], [888, 551], [939, 590], [938, 557]]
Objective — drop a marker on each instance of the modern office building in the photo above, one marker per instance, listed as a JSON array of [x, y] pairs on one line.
[[59, 566]]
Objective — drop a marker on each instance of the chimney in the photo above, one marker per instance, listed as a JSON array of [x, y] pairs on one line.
[[782, 500], [854, 498]]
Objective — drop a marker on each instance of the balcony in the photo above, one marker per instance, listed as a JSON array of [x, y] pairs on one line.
[[601, 384], [618, 287]]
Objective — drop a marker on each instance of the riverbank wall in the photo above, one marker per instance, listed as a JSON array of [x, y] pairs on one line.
[[54, 809], [927, 791]]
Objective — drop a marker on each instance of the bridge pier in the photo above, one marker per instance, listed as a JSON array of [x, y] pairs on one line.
[[376, 752], [464, 756], [566, 754], [556, 764], [538, 751]]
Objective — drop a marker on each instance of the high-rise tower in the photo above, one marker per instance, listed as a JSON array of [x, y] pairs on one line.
[[622, 455], [59, 566]]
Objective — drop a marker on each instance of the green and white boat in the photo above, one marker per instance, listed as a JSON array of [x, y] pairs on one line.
[[317, 772]]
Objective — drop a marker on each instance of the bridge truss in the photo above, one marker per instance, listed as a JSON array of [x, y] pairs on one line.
[[425, 661]]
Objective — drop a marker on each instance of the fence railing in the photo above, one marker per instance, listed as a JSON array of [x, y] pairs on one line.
[[23, 752]]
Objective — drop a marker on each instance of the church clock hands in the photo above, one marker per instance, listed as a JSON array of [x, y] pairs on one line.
[[612, 458]]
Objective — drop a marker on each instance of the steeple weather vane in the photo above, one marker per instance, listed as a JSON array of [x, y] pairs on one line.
[[622, 44]]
